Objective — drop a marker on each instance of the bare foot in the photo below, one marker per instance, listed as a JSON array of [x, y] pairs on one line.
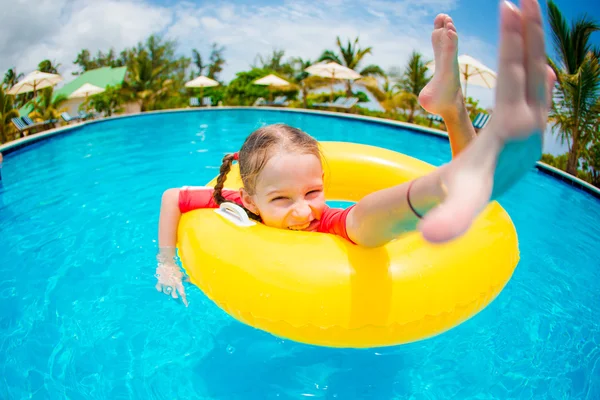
[[443, 94], [508, 147]]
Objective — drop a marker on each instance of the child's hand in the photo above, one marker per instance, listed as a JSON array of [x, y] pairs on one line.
[[170, 278]]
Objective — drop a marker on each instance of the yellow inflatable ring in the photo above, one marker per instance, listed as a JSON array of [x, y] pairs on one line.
[[320, 289]]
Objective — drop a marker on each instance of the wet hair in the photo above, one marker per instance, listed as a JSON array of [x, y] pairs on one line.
[[256, 151]]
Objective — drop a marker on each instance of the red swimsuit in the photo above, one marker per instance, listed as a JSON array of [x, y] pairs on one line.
[[333, 220]]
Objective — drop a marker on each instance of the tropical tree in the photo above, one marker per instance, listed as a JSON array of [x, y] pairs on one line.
[[215, 67], [108, 59], [274, 62], [7, 112], [46, 106], [11, 77], [303, 80], [155, 76], [577, 69], [413, 80], [351, 56], [197, 60], [108, 102], [388, 94], [48, 66], [591, 163]]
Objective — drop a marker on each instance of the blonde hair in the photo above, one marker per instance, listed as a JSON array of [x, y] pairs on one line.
[[256, 151]]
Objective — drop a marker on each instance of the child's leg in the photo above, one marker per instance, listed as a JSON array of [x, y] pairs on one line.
[[508, 147], [505, 150], [443, 95]]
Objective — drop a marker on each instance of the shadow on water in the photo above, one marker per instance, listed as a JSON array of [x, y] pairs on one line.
[[246, 363]]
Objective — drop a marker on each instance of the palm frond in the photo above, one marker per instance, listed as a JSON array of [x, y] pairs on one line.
[[329, 55], [561, 36], [372, 70]]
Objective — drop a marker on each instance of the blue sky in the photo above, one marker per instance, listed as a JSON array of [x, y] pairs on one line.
[[59, 29]]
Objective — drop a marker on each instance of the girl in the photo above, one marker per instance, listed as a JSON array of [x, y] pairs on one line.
[[282, 173]]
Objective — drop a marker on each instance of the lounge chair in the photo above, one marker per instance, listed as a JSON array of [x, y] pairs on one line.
[[86, 115], [32, 124], [335, 103], [279, 101], [348, 104], [259, 102], [435, 118], [194, 102], [481, 121], [20, 125], [68, 118], [207, 101]]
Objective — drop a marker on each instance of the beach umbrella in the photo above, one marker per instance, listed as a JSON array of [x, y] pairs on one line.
[[87, 89], [472, 72], [201, 82], [271, 81], [333, 71], [35, 81]]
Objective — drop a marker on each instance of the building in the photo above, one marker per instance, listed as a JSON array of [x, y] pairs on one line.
[[101, 77]]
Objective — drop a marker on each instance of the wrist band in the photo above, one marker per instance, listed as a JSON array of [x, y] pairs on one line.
[[408, 200]]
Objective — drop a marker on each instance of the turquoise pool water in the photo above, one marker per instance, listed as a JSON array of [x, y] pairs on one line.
[[80, 318]]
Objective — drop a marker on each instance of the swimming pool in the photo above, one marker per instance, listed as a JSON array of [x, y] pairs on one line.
[[80, 318]]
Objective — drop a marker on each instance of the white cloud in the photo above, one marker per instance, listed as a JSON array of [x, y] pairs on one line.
[[59, 29]]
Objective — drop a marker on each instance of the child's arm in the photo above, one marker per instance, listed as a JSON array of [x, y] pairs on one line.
[[168, 272], [169, 219], [384, 215]]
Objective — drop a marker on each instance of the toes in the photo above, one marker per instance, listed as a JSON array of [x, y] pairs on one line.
[[511, 59], [438, 22], [535, 52], [450, 26]]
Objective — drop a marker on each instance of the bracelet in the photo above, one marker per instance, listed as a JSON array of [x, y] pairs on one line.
[[408, 200]]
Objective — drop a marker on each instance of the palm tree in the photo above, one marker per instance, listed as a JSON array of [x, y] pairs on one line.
[[154, 72], [303, 79], [47, 106], [7, 112], [351, 56], [387, 94], [274, 62], [197, 60], [578, 83], [216, 61], [11, 77], [413, 80], [48, 66]]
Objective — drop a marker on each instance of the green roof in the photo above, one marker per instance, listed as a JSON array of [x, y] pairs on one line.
[[101, 77]]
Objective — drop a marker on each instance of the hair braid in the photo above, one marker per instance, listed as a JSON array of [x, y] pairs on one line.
[[218, 192], [223, 171]]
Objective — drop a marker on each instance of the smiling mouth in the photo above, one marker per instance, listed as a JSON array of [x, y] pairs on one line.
[[299, 227]]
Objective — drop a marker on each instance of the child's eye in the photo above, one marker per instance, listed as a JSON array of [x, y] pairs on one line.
[[279, 198], [316, 191]]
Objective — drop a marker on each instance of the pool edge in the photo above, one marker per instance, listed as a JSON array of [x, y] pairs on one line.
[[15, 145]]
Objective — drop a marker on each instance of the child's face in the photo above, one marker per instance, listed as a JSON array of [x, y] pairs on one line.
[[289, 192]]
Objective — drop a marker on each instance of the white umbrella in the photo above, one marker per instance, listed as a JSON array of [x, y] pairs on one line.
[[472, 71], [334, 71], [271, 81], [35, 81], [87, 89], [201, 82]]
